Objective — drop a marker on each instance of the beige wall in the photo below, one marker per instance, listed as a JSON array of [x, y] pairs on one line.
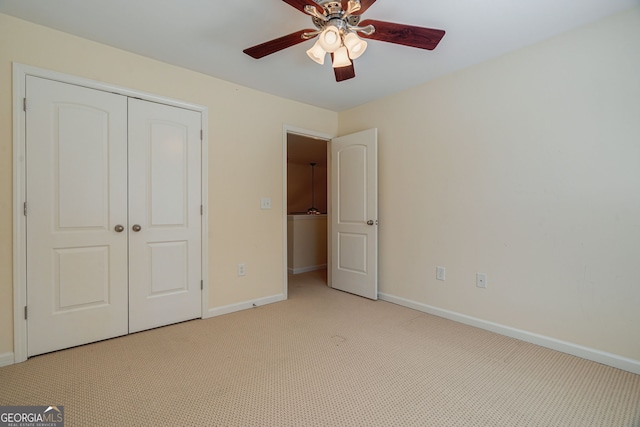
[[245, 162], [527, 168]]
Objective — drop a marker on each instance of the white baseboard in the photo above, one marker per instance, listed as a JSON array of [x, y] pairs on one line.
[[6, 359], [594, 355], [306, 269], [232, 308]]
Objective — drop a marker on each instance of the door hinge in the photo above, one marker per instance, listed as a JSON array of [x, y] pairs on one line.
[[24, 209], [24, 104], [201, 135], [201, 210], [25, 312], [201, 284]]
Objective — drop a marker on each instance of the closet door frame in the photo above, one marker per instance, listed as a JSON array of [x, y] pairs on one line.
[[20, 73]]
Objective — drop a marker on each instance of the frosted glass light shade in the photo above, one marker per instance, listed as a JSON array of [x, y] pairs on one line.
[[355, 45], [330, 39], [317, 53], [341, 58]]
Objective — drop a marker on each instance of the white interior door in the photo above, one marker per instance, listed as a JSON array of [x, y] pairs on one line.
[[164, 215], [76, 149], [354, 213], [113, 215]]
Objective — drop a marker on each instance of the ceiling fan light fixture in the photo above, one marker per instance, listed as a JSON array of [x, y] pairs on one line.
[[340, 30], [317, 53], [355, 45], [330, 39], [341, 58]]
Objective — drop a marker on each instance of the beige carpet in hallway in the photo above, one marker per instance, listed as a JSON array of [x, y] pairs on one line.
[[323, 358]]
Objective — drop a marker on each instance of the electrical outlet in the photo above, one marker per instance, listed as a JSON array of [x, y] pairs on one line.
[[440, 273], [242, 269], [481, 280]]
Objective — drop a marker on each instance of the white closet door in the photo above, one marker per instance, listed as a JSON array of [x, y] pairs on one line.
[[76, 149], [164, 215]]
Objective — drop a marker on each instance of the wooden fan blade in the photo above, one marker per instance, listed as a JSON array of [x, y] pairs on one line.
[[276, 45], [407, 35], [344, 73], [300, 4]]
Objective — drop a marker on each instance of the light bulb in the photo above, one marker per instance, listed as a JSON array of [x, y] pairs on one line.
[[317, 53], [355, 45], [330, 39], [341, 58]]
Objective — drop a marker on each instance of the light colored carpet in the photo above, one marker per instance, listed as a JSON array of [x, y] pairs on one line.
[[323, 358]]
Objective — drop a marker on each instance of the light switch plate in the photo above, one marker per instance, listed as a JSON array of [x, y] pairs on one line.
[[481, 280], [265, 203], [242, 269]]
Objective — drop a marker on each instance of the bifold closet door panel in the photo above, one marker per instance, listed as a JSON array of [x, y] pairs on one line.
[[76, 193], [164, 214]]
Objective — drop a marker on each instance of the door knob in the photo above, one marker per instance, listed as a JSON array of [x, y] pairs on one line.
[[136, 228], [119, 228], [370, 222]]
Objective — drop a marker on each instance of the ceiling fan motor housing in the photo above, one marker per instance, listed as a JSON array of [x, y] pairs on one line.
[[334, 16]]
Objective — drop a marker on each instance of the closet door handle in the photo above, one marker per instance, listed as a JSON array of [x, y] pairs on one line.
[[136, 228], [119, 228]]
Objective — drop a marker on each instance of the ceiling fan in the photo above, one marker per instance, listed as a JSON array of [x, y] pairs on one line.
[[337, 27]]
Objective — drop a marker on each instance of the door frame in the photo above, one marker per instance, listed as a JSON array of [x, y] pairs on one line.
[[20, 72], [288, 129]]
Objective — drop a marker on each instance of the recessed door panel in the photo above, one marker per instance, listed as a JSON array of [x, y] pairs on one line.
[[352, 255], [82, 150], [169, 268], [82, 278], [352, 163], [168, 147]]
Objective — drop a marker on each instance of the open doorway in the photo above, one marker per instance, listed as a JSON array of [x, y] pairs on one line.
[[306, 203], [352, 206]]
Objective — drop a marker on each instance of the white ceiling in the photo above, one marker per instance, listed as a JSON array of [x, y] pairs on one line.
[[208, 36]]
